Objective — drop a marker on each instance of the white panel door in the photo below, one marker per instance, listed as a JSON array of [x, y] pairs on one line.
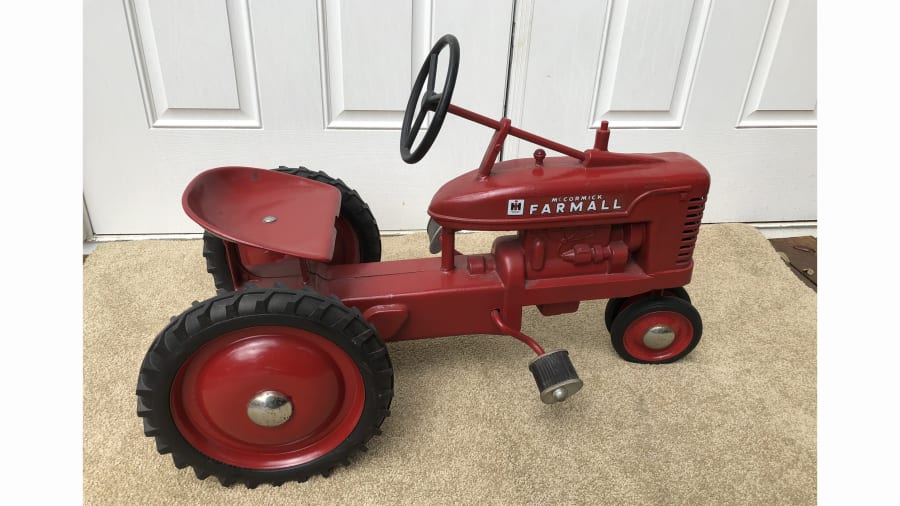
[[730, 82], [172, 88]]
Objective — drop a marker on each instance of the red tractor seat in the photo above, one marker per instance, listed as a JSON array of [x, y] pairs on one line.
[[266, 209]]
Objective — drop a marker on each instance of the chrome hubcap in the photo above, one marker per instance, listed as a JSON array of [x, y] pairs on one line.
[[658, 337], [270, 409]]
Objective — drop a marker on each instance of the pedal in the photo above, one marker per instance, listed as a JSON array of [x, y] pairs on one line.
[[555, 376]]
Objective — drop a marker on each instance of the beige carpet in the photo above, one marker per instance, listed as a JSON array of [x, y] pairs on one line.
[[734, 422]]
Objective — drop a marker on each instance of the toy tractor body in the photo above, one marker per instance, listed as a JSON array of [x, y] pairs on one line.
[[285, 374], [583, 233]]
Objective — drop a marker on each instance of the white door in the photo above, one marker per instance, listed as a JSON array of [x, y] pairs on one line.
[[730, 82], [175, 87]]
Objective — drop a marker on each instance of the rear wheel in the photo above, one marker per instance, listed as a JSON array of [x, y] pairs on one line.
[[265, 386], [358, 239], [656, 330], [615, 306]]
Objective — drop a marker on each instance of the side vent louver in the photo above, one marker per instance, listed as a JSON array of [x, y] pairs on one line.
[[692, 217]]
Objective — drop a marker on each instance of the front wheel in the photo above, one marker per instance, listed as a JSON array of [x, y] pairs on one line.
[[656, 330], [265, 386]]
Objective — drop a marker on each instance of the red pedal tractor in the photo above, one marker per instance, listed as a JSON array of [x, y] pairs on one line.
[[285, 373]]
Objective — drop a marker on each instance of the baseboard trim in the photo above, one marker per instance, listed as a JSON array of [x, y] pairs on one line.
[[779, 229]]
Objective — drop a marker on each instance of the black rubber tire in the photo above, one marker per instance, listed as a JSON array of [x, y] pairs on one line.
[[353, 210], [614, 306], [305, 309], [646, 306], [217, 262]]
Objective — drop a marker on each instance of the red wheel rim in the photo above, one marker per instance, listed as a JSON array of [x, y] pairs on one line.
[[346, 244], [634, 336], [211, 391]]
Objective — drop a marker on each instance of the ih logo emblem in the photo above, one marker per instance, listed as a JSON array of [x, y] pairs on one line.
[[516, 207]]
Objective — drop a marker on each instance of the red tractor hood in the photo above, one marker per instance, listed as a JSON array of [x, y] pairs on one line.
[[519, 194]]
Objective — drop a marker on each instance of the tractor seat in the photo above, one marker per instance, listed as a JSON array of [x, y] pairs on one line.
[[266, 209]]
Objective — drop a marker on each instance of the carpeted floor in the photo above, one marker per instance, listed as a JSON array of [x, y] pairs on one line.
[[734, 422]]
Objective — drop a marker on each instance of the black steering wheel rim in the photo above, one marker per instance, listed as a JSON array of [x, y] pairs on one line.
[[431, 101]]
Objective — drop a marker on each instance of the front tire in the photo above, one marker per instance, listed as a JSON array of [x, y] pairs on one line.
[[265, 386], [656, 330]]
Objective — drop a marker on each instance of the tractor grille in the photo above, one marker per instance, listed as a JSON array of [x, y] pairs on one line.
[[692, 217]]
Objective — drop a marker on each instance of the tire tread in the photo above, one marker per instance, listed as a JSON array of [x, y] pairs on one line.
[[169, 350]]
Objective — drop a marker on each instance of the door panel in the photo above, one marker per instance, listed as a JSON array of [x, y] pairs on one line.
[[191, 77], [782, 91], [666, 40], [367, 75]]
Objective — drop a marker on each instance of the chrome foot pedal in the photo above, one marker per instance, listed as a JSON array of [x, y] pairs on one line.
[[555, 376]]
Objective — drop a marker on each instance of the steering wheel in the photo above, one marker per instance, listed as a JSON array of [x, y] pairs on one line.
[[431, 101]]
